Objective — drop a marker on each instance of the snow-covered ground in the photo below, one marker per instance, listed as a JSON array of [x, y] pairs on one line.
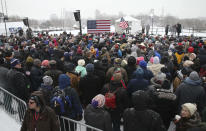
[[156, 31], [7, 123]]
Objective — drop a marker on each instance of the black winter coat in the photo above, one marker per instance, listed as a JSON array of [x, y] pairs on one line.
[[18, 84], [202, 56], [89, 86], [36, 77], [130, 70], [164, 103], [3, 77], [98, 118], [142, 120]]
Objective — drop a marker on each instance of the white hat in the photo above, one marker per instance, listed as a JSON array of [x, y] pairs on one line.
[[192, 108], [81, 62], [47, 80], [156, 60]]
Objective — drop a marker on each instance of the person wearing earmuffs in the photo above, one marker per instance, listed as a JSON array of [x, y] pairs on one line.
[[38, 116]]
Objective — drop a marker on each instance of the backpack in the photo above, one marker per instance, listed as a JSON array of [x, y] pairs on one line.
[[60, 102], [110, 99]]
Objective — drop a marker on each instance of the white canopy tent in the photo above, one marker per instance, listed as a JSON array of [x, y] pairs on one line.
[[134, 25], [12, 27]]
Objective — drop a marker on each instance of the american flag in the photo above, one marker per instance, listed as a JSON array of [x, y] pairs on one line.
[[123, 24], [98, 26]]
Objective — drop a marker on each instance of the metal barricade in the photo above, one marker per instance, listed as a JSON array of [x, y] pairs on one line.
[[68, 124], [16, 108], [12, 105]]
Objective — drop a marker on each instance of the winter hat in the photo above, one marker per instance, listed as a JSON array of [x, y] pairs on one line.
[[180, 44], [45, 63], [64, 81], [151, 60], [139, 73], [66, 55], [143, 64], [194, 76], [124, 63], [131, 60], [37, 62], [192, 56], [188, 63], [79, 51], [117, 61], [81, 62], [29, 59], [52, 62], [90, 67], [69, 67], [169, 52], [140, 100], [141, 58], [47, 80], [116, 46], [14, 62], [33, 46], [160, 77], [190, 49], [98, 101], [192, 108], [156, 60]]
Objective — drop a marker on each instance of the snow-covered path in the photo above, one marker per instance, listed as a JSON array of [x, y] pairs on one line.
[[7, 123]]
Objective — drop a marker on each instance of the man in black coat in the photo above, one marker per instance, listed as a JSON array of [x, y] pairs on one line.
[[141, 118], [3, 74], [89, 85], [166, 29], [202, 55], [179, 29], [17, 80], [36, 75], [18, 86]]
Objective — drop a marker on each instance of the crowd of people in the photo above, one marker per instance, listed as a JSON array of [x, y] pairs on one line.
[[143, 82]]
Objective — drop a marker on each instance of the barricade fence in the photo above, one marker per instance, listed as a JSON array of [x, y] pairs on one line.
[[16, 108], [68, 124], [12, 105]]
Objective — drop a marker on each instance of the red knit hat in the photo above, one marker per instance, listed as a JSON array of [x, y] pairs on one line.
[[180, 44], [79, 50], [45, 63], [190, 49], [116, 46], [200, 44]]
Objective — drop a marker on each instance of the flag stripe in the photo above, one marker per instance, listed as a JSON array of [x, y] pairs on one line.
[[98, 26]]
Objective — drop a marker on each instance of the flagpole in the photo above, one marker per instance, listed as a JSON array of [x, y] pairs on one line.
[[4, 18]]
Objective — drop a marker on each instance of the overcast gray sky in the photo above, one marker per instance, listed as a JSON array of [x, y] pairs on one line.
[[41, 9]]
